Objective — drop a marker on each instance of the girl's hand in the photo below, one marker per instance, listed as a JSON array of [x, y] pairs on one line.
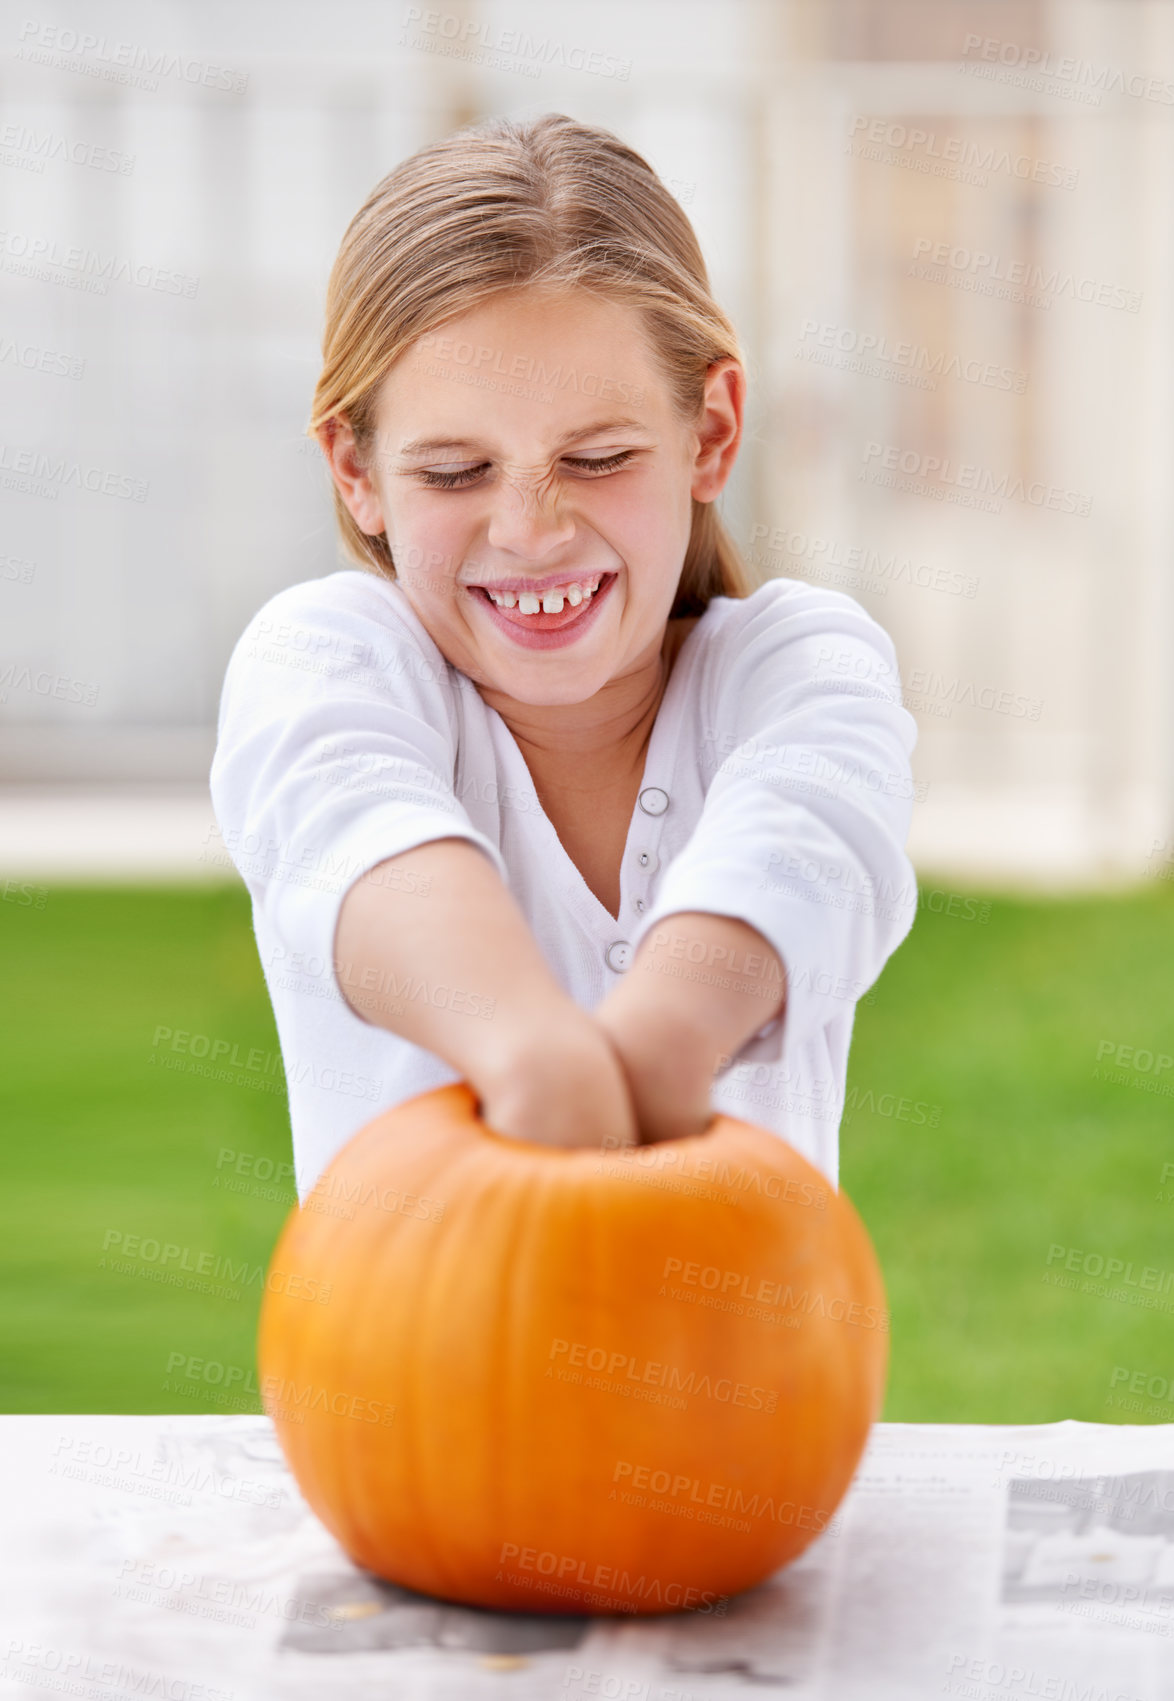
[[671, 1032], [667, 1073], [564, 1087]]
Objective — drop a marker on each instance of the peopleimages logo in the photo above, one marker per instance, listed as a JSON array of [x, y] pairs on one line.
[[32, 148], [1082, 76], [952, 156], [719, 1495], [20, 252], [824, 558], [508, 49], [1075, 1258], [34, 358], [125, 1250], [766, 1291], [988, 270], [937, 694], [931, 474], [624, 1367], [55, 472], [483, 358], [95, 55], [559, 1567], [866, 346]]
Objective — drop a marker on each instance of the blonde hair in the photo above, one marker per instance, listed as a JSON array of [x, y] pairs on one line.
[[546, 203]]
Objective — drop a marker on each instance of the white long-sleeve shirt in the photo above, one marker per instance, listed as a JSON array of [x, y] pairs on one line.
[[776, 789]]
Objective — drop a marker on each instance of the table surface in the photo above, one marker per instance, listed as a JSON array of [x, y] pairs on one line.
[[174, 1557]]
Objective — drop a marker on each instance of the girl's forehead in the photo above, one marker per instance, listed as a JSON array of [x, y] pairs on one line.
[[540, 330], [556, 367]]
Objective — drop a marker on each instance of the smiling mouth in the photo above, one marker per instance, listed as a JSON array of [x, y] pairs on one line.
[[551, 611]]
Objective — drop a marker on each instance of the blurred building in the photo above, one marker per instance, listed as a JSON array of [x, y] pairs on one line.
[[944, 234]]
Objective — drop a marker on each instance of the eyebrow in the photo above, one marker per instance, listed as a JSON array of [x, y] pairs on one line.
[[430, 445]]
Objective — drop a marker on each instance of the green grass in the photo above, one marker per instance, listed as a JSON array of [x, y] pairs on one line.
[[1000, 1024], [102, 1140], [991, 1027]]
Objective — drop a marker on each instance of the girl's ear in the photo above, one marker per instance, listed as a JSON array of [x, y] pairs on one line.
[[337, 440], [720, 429]]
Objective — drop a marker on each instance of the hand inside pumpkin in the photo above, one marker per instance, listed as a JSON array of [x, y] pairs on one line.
[[564, 1087], [668, 1077]]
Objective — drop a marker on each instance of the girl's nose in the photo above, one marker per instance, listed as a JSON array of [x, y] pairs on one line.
[[528, 519]]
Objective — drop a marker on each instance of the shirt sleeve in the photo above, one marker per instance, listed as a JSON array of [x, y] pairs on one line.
[[335, 750], [803, 828]]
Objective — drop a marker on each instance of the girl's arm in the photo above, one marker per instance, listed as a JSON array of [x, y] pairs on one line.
[[794, 887], [335, 751], [542, 1067]]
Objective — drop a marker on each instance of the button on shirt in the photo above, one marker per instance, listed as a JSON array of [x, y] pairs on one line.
[[777, 790]]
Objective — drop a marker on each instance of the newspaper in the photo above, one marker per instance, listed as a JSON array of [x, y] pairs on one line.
[[174, 1557]]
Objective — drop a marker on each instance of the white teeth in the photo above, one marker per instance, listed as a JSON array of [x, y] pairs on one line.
[[550, 602]]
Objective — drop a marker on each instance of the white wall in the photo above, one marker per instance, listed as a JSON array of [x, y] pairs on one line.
[[749, 111]]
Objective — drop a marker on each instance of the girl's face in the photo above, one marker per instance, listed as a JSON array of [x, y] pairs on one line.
[[531, 448]]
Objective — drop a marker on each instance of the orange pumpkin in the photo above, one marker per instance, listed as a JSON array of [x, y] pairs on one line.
[[524, 1377]]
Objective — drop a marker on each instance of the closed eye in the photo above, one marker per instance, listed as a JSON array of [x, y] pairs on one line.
[[462, 476], [600, 463]]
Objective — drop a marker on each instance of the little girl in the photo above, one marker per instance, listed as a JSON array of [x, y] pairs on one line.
[[544, 795]]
